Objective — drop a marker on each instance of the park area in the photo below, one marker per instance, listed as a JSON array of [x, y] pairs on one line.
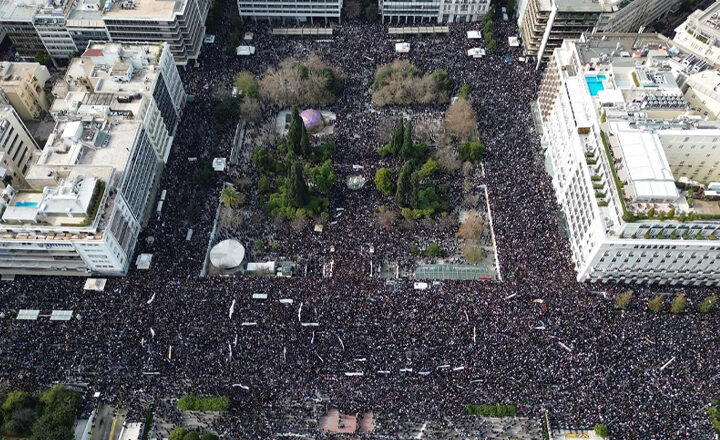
[[308, 172]]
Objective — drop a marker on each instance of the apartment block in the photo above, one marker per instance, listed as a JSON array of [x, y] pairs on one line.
[[434, 11], [700, 34], [296, 11], [89, 192], [63, 28], [22, 86], [18, 149], [634, 165]]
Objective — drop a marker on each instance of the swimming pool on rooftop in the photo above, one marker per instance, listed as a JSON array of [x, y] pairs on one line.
[[26, 204], [595, 83]]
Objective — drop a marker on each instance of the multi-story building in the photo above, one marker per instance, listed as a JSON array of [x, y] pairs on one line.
[[632, 15], [88, 195], [63, 28], [437, 11], [700, 34], [703, 93], [633, 165], [22, 86], [297, 11], [544, 24], [18, 149]]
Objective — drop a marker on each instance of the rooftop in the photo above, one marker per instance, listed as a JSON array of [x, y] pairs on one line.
[[12, 72], [88, 13]]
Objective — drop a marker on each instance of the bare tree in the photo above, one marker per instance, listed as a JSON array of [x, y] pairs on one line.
[[473, 252], [447, 158], [472, 228], [386, 218], [250, 110], [461, 120], [298, 224]]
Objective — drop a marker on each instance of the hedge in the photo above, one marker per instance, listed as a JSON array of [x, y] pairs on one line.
[[491, 410], [195, 403]]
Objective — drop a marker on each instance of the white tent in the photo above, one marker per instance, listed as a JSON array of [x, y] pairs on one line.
[[97, 284], [474, 35], [143, 261], [227, 254], [402, 47], [513, 42], [476, 52], [245, 50]]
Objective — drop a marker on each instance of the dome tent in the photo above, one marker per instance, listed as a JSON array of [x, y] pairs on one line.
[[312, 118]]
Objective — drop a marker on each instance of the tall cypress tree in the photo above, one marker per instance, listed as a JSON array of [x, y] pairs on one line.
[[407, 146], [403, 187], [295, 130], [295, 186], [397, 138], [305, 142]]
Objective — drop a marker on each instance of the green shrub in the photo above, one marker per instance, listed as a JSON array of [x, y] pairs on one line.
[[708, 304], [623, 299], [679, 303], [195, 403], [433, 250], [601, 430], [384, 181], [491, 410], [471, 151], [714, 413], [656, 304]]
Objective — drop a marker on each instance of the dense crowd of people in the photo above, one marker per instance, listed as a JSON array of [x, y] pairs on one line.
[[423, 354]]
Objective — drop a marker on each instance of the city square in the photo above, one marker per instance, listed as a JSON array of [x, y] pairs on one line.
[[345, 345]]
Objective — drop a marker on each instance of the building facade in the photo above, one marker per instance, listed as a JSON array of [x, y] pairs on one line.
[[89, 192], [434, 11], [293, 11], [22, 86], [700, 34], [63, 28], [631, 15], [628, 157], [544, 24], [18, 149]]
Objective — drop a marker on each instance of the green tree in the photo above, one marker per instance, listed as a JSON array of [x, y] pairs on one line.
[[679, 303], [45, 428], [429, 168], [403, 186], [178, 433], [406, 150], [296, 189], [601, 430], [229, 197], [371, 12], [323, 177], [464, 92], [294, 134], [656, 304], [305, 143], [433, 250], [383, 181], [246, 84], [491, 46], [44, 59], [397, 138], [15, 400], [471, 151], [208, 436], [623, 299], [708, 304], [227, 110], [191, 436], [442, 79], [59, 396]]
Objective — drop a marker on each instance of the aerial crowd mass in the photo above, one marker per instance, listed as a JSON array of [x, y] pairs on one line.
[[424, 354]]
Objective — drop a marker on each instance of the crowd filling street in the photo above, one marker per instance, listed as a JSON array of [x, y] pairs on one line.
[[423, 354]]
